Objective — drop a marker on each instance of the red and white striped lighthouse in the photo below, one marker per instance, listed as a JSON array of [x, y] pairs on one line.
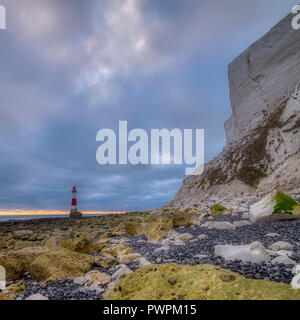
[[74, 199], [74, 212]]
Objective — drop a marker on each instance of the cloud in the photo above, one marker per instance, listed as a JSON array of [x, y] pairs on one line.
[[70, 68]]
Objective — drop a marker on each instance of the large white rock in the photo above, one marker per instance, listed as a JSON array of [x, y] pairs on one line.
[[241, 223], [142, 262], [37, 297], [263, 209], [120, 273], [221, 225], [281, 245], [284, 260], [253, 252]]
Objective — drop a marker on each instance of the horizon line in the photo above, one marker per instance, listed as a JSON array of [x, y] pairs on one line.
[[18, 212]]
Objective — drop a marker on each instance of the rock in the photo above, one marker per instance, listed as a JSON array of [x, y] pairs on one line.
[[81, 245], [185, 237], [74, 214], [199, 282], [280, 253], [96, 277], [15, 268], [106, 261], [23, 232], [132, 228], [162, 248], [254, 252], [180, 218], [36, 297], [54, 242], [143, 262], [241, 223], [202, 236], [223, 225], [117, 251], [120, 273], [284, 260], [17, 262], [272, 234], [157, 227], [245, 215], [218, 209], [111, 286], [80, 280], [166, 242], [173, 235], [201, 256], [15, 289], [60, 264], [274, 206], [129, 258], [3, 297], [281, 245], [178, 242]]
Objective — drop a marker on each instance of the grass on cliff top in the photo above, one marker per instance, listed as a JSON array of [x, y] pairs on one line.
[[284, 203], [218, 209], [199, 282]]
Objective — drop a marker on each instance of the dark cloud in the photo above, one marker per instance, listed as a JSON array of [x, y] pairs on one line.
[[70, 68]]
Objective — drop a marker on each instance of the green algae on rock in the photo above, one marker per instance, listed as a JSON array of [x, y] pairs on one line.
[[199, 282], [274, 206], [218, 209], [284, 203]]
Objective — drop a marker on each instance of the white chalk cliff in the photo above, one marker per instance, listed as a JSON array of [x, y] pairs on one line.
[[263, 133]]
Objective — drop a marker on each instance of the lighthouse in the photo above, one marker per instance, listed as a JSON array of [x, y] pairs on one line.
[[74, 213]]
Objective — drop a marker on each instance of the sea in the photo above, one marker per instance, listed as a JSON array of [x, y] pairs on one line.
[[43, 216]]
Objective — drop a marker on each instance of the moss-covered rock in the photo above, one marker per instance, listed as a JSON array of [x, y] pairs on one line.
[[81, 245], [60, 264], [14, 268], [106, 261], [200, 282], [118, 251], [284, 203], [274, 206], [218, 209], [154, 227], [54, 242], [15, 289], [132, 228], [180, 218], [4, 297]]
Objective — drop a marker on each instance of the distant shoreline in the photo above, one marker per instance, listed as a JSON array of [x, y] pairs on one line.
[[36, 218]]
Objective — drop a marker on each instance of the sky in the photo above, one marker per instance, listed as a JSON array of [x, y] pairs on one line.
[[69, 68]]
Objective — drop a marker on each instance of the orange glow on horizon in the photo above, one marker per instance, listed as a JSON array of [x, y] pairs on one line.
[[45, 212]]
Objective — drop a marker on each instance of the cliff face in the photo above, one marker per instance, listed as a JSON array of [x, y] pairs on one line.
[[263, 133]]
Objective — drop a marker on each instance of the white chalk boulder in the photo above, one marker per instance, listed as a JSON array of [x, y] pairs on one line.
[[274, 206], [253, 252]]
